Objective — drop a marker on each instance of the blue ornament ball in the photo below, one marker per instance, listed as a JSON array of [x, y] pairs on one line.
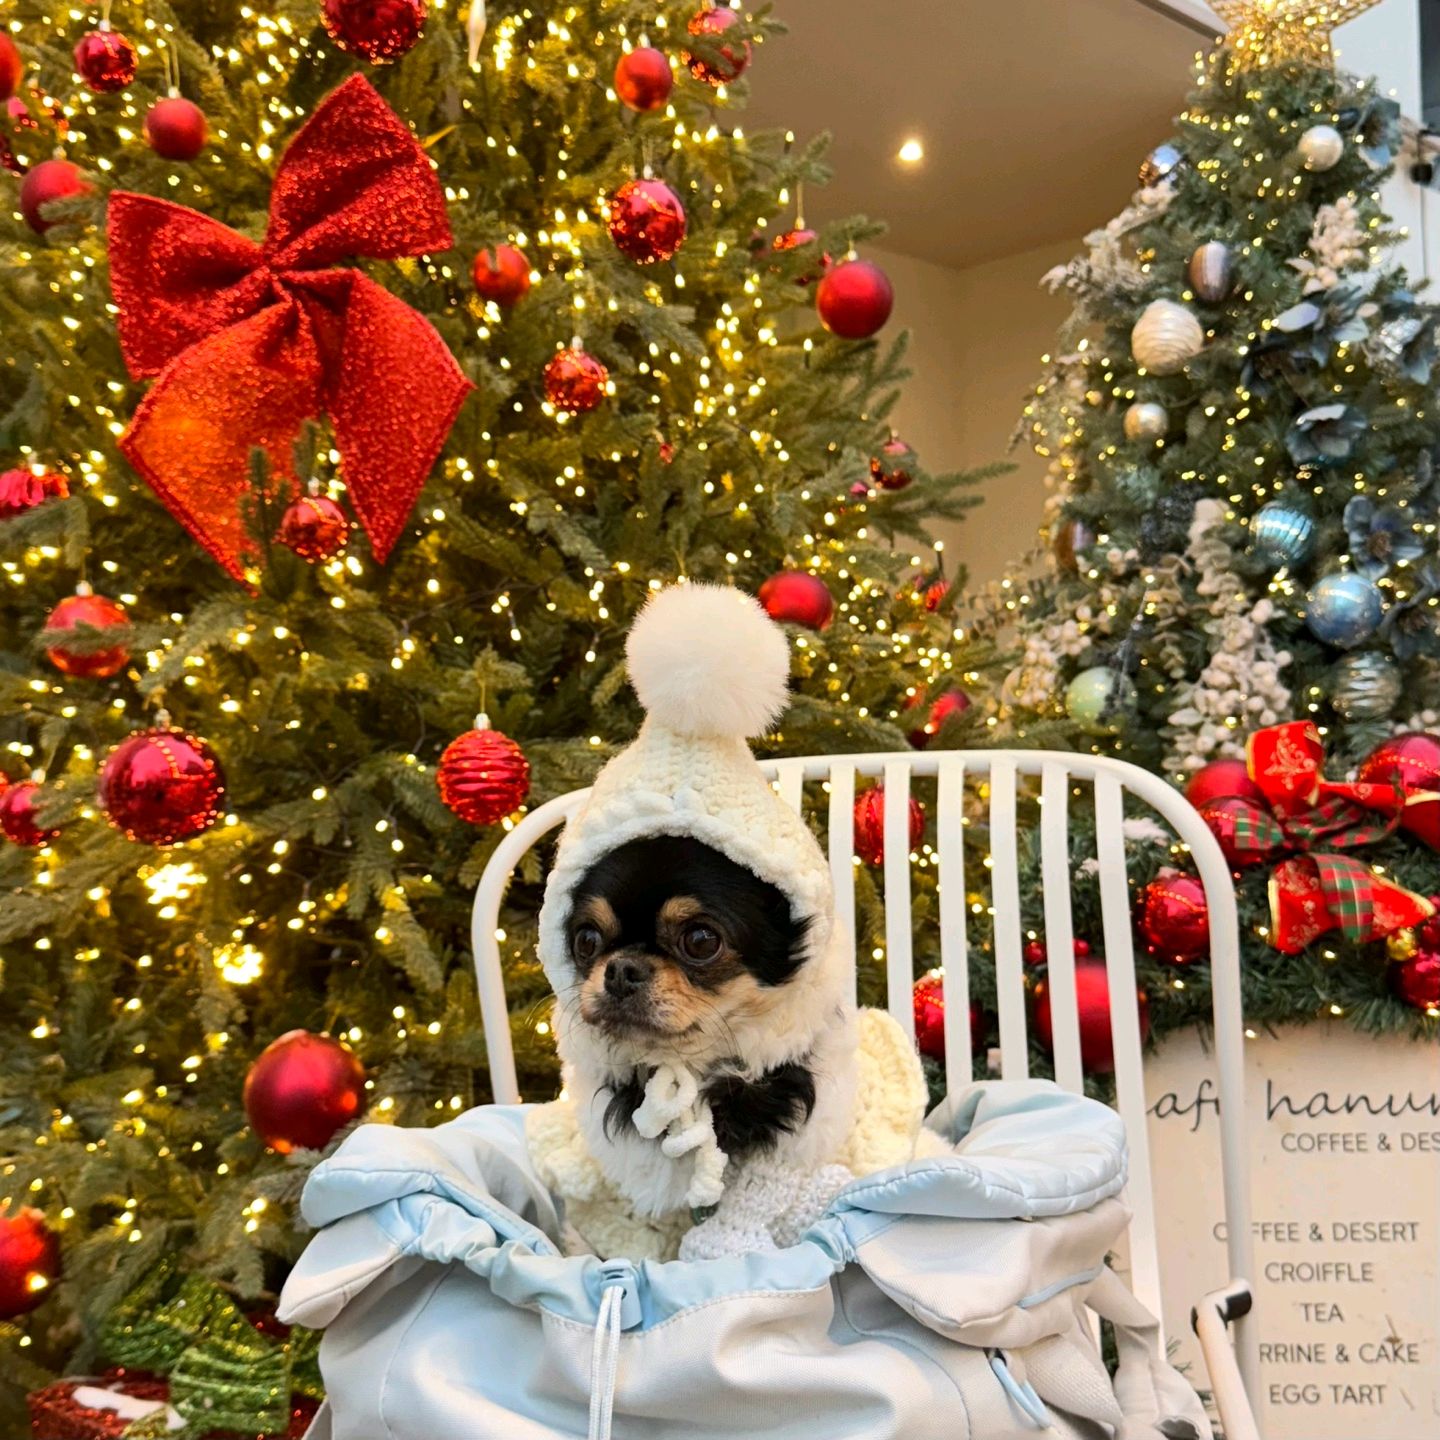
[[1100, 700], [1343, 609], [1281, 534]]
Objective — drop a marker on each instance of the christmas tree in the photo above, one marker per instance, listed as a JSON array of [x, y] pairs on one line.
[[533, 329], [1242, 429]]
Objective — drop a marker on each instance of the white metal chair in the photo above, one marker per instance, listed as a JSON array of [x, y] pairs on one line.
[[1232, 1371]]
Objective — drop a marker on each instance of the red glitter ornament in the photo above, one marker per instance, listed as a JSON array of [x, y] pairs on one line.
[[1413, 762], [29, 1262], [17, 816], [1174, 919], [22, 490], [176, 128], [935, 594], [729, 63], [575, 381], [643, 78], [12, 67], [105, 60], [483, 775], [301, 1089], [1220, 778], [1092, 998], [795, 597], [889, 469], [162, 786], [376, 30], [502, 274], [870, 824], [1219, 814], [947, 703], [99, 613], [647, 221], [794, 240], [1416, 981], [45, 183], [854, 300], [315, 528], [929, 1007]]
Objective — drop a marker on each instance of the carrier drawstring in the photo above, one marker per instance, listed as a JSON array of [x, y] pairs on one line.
[[605, 1358], [1024, 1396]]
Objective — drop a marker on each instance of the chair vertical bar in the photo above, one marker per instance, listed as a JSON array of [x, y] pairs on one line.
[[1005, 896], [899, 965], [1059, 927], [1125, 1033], [790, 781], [841, 840], [954, 911]]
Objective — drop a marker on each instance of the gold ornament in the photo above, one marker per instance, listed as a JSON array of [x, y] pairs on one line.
[[1165, 337], [1402, 945], [1270, 32]]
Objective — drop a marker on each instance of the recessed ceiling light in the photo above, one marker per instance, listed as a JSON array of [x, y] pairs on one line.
[[912, 152]]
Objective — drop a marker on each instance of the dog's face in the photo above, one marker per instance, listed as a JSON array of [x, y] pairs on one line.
[[673, 942]]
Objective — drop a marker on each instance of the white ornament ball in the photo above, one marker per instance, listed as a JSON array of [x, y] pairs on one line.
[[1321, 147], [1165, 337], [1145, 420]]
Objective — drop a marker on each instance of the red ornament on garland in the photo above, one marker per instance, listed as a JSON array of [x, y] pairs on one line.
[[176, 128], [1092, 998], [854, 300], [1221, 778], [647, 221], [22, 490], [947, 703], [12, 67], [301, 1089], [575, 381], [501, 273], [730, 64], [162, 786], [1413, 762], [795, 597], [105, 60], [1416, 981], [929, 1005], [17, 816], [643, 78], [45, 183], [315, 528], [888, 469], [376, 30], [1174, 919], [84, 607], [869, 817], [1219, 814], [29, 1262], [793, 240], [483, 775]]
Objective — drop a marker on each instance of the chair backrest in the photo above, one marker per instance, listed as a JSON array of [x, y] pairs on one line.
[[1059, 773]]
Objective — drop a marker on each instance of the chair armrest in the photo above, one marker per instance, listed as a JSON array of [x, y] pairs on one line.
[[1210, 1320]]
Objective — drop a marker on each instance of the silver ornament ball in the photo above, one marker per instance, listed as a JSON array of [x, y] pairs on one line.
[[1321, 147], [1166, 337], [1282, 534], [1145, 420], [1162, 161], [1212, 271], [1343, 610], [1365, 686]]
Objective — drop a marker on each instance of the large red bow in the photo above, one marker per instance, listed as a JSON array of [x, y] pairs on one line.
[[249, 341]]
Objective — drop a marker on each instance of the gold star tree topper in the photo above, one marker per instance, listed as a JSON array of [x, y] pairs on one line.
[[1271, 32]]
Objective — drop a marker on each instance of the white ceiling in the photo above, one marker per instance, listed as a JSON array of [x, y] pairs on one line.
[[1034, 114]]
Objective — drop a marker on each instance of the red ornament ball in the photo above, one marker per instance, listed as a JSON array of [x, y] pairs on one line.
[[315, 528], [795, 597], [176, 128], [947, 703], [483, 776], [45, 183], [575, 381], [1035, 953], [29, 1262], [1413, 762], [162, 786], [1092, 998], [870, 824], [794, 240], [730, 64], [99, 613], [17, 816], [22, 490], [1219, 814], [888, 469], [105, 60], [854, 300], [502, 274], [1416, 981], [929, 1003], [376, 30], [643, 79], [301, 1089], [12, 67], [1175, 919], [1221, 778], [647, 221]]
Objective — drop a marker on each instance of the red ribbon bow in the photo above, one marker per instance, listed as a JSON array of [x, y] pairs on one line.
[[250, 341]]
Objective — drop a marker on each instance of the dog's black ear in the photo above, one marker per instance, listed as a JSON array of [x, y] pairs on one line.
[[752, 1115]]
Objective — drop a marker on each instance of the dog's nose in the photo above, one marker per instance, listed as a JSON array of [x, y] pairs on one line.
[[624, 975]]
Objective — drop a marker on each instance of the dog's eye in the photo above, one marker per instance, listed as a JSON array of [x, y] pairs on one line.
[[699, 942], [587, 942]]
